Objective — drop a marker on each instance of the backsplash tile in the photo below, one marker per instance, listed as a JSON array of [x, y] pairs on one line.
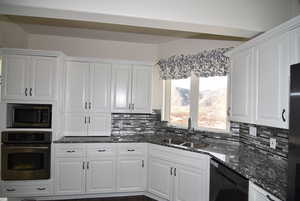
[[132, 124], [262, 140]]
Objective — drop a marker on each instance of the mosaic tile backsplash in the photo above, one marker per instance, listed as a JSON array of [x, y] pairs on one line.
[[132, 124], [262, 140]]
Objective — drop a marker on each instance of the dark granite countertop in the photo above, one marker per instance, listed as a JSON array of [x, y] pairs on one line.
[[266, 170]]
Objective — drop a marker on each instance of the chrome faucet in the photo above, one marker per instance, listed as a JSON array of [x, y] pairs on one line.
[[190, 130]]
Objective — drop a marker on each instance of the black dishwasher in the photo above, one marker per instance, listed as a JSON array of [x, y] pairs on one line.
[[226, 185]]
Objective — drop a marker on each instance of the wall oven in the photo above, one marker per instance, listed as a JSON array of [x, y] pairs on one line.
[[29, 115], [25, 155]]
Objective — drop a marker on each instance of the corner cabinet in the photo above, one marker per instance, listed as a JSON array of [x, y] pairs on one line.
[[178, 175], [87, 98], [131, 88], [260, 82], [29, 77]]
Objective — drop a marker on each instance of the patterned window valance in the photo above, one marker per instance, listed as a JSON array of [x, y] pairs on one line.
[[204, 64]]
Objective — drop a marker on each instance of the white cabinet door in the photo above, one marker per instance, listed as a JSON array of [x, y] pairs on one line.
[[99, 124], [258, 194], [272, 82], [160, 178], [121, 88], [141, 88], [69, 176], [76, 94], [101, 175], [100, 78], [42, 78], [15, 72], [75, 124], [191, 184], [241, 87], [131, 174], [295, 46]]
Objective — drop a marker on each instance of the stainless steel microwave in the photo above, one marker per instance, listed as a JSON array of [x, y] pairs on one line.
[[29, 115]]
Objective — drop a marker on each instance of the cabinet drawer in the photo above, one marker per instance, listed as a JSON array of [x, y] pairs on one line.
[[129, 149], [101, 149], [74, 150], [26, 190]]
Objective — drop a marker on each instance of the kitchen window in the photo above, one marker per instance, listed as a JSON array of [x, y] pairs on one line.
[[203, 99]]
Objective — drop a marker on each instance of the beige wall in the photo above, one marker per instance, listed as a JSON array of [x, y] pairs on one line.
[[104, 49], [12, 35]]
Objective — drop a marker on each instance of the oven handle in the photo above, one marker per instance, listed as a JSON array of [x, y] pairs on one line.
[[24, 147]]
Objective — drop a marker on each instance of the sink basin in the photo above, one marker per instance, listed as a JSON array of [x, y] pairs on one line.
[[174, 141]]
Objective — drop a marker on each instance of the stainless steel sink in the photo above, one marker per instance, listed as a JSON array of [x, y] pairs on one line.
[[185, 144]]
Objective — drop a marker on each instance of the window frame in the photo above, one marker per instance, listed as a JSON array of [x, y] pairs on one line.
[[194, 97]]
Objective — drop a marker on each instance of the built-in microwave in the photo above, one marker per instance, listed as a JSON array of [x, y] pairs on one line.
[[29, 115]]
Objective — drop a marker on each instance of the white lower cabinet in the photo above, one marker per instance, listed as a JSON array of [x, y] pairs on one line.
[[178, 175], [131, 174], [69, 176], [258, 194], [100, 177], [160, 178], [23, 189], [100, 168]]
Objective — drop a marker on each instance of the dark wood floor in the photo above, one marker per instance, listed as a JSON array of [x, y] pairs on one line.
[[131, 198]]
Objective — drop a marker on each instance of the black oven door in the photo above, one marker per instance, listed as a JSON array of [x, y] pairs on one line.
[[25, 162]]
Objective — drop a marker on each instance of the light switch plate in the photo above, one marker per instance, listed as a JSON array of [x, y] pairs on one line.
[[273, 143], [252, 131]]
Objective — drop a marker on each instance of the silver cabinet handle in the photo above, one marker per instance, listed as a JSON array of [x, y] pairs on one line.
[[84, 120], [171, 171], [130, 150], [89, 119], [228, 111], [143, 164], [90, 105], [282, 115], [41, 189], [85, 105], [10, 189], [132, 106], [129, 106], [101, 150], [83, 165], [70, 151], [175, 172], [30, 92], [26, 91], [88, 165]]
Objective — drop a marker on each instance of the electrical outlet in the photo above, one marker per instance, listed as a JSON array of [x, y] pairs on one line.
[[273, 143], [252, 131]]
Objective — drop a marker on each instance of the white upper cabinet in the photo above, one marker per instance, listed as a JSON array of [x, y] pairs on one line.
[[87, 99], [295, 46], [258, 194], [42, 77], [100, 78], [260, 82], [121, 88], [29, 77], [272, 82], [77, 78], [141, 88], [15, 76], [241, 85], [131, 88]]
